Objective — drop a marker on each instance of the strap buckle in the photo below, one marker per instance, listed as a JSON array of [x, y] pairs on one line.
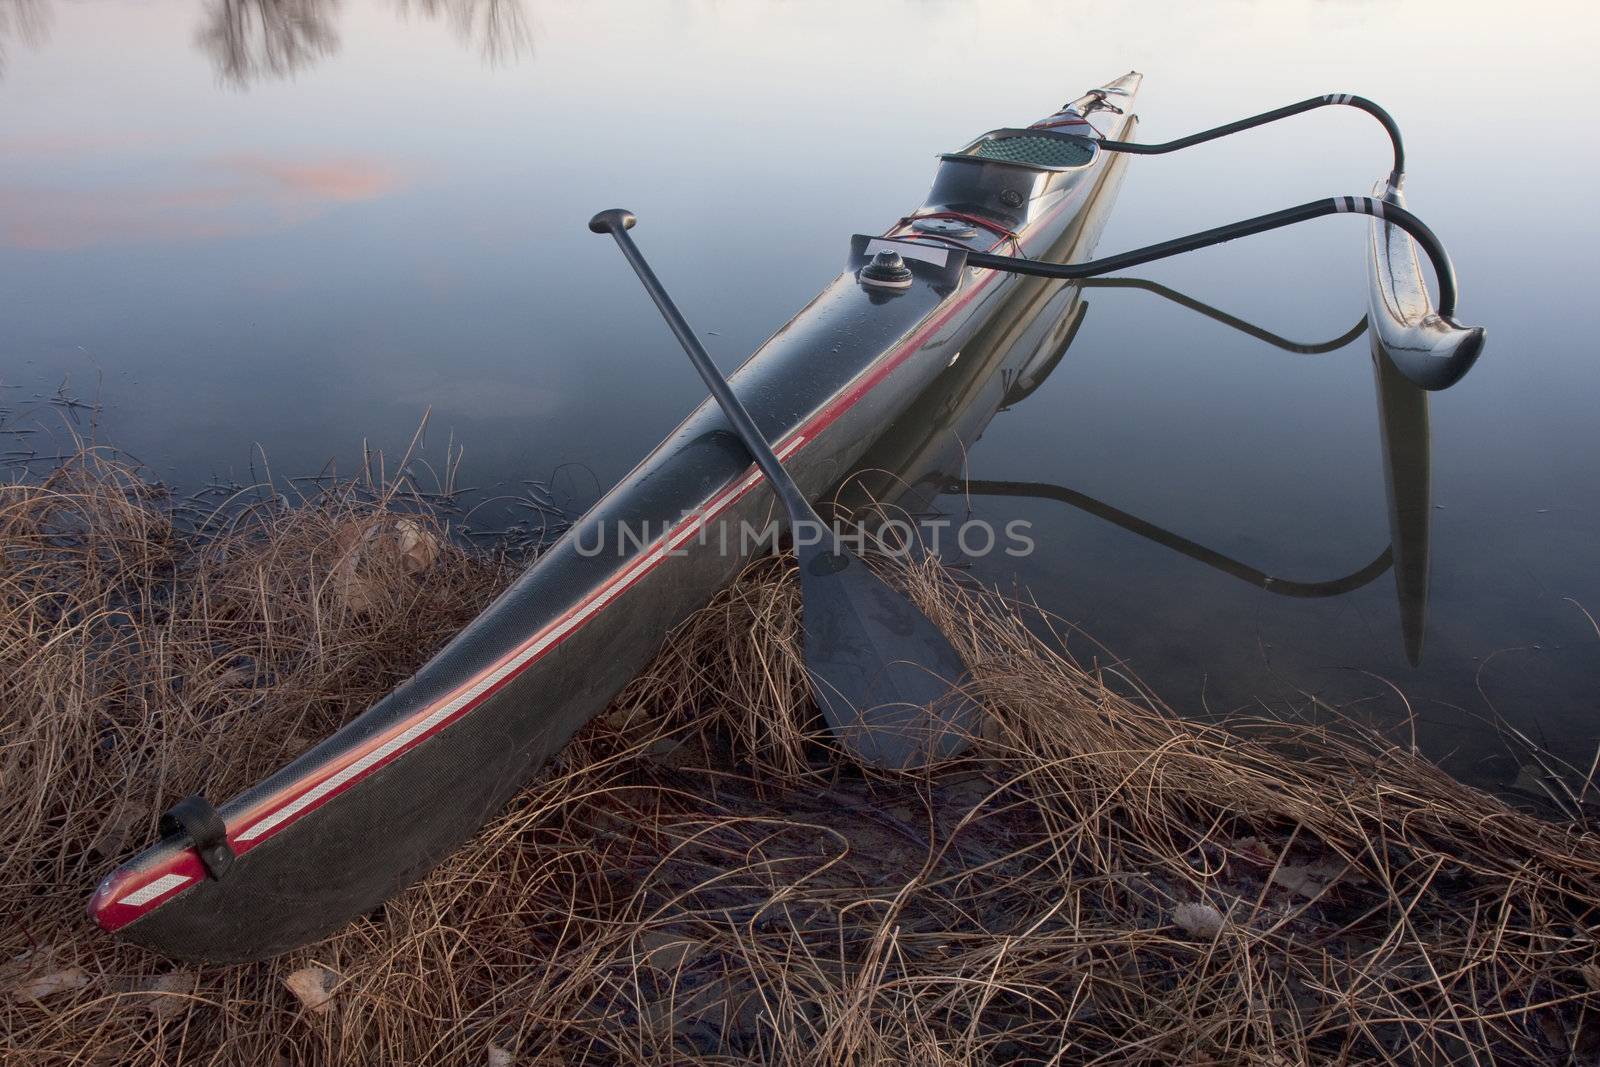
[[198, 820]]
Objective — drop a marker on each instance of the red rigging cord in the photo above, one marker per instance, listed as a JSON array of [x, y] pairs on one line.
[[1073, 120], [1002, 233]]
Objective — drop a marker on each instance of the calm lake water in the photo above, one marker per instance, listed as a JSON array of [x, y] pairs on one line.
[[286, 228]]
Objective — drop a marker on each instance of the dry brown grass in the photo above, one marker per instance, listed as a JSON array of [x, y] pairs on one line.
[[698, 880]]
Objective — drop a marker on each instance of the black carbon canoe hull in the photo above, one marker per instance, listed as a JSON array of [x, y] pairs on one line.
[[374, 807]]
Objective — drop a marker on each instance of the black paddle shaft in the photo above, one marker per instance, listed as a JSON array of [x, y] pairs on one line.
[[617, 222], [887, 679]]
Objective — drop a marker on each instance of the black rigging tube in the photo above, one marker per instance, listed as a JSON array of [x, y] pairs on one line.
[[1328, 100], [1335, 205]]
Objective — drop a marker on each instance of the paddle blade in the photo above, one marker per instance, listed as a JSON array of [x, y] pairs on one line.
[[884, 675]]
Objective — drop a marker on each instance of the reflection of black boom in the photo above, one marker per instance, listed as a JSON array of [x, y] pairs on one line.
[[1403, 418], [1178, 543], [918, 459]]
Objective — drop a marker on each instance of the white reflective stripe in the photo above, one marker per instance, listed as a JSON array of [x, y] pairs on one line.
[[910, 250], [1376, 205], [501, 671], [704, 515], [148, 893]]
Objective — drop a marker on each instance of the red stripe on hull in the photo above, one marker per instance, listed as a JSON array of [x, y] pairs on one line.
[[110, 905]]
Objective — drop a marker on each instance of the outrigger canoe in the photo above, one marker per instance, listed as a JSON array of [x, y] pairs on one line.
[[371, 809], [375, 806]]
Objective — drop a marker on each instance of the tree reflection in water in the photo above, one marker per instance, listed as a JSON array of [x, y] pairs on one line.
[[253, 39], [249, 40], [25, 20], [496, 29]]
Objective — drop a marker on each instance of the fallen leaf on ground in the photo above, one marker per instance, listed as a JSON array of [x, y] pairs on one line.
[[313, 987], [361, 547], [1201, 920], [418, 547], [1308, 880], [359, 594], [168, 994], [50, 983]]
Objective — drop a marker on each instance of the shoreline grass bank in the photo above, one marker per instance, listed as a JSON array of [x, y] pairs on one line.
[[695, 879]]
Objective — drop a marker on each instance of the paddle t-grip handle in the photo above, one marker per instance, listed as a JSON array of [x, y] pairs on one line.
[[613, 220], [616, 222]]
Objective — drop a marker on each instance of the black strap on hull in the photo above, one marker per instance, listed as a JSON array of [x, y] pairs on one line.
[[194, 817]]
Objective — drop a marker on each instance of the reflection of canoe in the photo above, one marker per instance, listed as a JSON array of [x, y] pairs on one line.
[[919, 458], [910, 461], [375, 806]]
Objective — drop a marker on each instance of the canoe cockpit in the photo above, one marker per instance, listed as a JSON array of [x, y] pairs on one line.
[[1008, 176], [1012, 175]]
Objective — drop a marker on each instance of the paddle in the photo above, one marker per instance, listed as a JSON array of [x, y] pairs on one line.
[[882, 673]]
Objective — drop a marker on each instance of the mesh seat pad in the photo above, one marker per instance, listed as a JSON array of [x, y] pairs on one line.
[[1035, 151]]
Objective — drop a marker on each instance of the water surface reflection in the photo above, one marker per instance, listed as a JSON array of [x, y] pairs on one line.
[[24, 21], [920, 459], [252, 39], [248, 41]]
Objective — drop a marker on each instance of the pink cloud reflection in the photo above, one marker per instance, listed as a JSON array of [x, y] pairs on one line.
[[340, 181], [230, 196]]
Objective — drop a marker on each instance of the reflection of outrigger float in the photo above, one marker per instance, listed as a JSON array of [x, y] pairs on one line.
[[372, 808], [923, 456]]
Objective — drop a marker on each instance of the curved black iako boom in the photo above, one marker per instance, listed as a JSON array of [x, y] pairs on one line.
[[1424, 342], [374, 807]]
